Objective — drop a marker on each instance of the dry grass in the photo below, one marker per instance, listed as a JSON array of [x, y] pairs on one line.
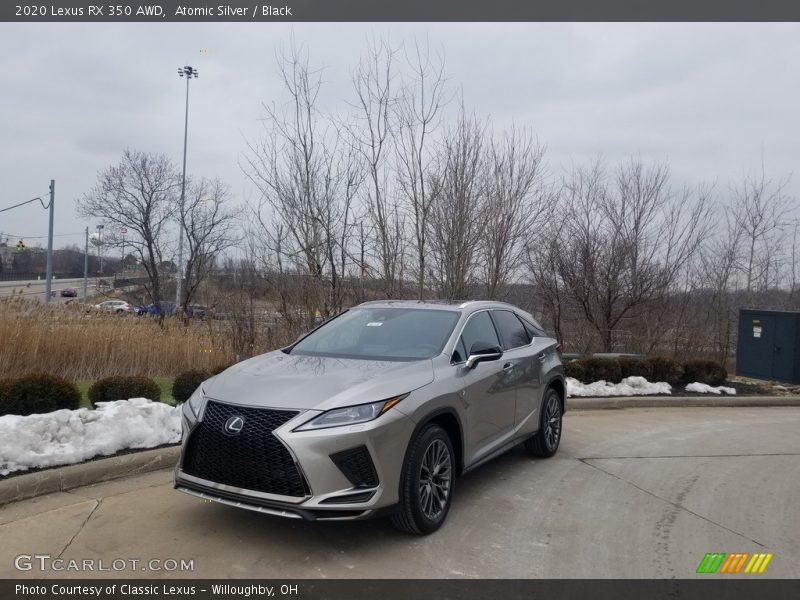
[[69, 341]]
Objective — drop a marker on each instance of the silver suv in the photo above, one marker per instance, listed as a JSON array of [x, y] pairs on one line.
[[376, 411]]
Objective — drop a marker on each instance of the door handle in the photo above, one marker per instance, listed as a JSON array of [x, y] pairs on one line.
[[542, 356], [508, 366]]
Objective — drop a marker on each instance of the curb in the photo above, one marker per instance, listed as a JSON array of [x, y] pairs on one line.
[[576, 403], [68, 477]]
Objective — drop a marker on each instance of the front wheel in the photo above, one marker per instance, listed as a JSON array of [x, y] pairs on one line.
[[545, 443], [426, 488]]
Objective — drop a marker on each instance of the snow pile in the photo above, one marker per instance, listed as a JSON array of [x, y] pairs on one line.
[[702, 388], [65, 437], [630, 386]]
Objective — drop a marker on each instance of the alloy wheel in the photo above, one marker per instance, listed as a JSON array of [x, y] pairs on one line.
[[435, 479], [552, 422]]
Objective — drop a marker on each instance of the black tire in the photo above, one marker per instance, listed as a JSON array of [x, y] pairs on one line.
[[417, 512], [545, 442]]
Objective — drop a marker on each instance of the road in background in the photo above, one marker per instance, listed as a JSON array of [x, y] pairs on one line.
[[36, 288]]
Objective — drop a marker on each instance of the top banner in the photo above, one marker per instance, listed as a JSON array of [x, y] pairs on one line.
[[405, 10]]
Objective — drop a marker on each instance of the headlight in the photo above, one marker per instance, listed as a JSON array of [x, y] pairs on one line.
[[350, 415], [195, 401]]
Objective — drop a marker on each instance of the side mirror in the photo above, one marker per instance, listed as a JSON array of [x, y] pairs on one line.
[[482, 352]]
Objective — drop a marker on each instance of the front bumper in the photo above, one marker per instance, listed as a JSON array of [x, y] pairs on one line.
[[330, 491]]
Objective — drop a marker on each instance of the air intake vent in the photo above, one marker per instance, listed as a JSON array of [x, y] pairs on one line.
[[356, 464]]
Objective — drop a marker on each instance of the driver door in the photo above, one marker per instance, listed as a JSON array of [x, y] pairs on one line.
[[488, 391]]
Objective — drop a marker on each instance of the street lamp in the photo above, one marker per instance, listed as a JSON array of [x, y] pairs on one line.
[[100, 246], [188, 72]]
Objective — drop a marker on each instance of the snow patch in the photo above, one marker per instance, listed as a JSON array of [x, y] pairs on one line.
[[66, 437], [630, 386], [702, 388]]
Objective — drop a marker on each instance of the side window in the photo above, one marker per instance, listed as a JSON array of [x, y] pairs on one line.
[[533, 330], [479, 328], [512, 331]]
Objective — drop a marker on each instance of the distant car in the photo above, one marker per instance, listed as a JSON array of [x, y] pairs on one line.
[[116, 306], [163, 308], [69, 293], [198, 311]]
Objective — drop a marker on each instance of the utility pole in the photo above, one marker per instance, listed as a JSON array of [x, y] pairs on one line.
[[49, 283], [86, 267], [187, 72]]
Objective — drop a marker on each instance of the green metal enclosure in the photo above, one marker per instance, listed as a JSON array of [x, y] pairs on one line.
[[768, 345]]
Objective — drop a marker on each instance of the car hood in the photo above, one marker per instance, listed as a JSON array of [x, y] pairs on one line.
[[280, 380]]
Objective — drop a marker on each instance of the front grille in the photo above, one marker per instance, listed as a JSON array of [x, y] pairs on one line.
[[254, 459], [357, 466]]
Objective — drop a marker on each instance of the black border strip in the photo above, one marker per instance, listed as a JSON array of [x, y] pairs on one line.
[[718, 588], [401, 10]]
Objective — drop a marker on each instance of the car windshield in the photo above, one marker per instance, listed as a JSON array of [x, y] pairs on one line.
[[381, 334]]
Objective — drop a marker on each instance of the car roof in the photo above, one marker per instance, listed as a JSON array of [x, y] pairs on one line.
[[454, 305]]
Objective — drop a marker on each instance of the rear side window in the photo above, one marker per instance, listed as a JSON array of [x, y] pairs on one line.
[[534, 331], [479, 328], [512, 331]]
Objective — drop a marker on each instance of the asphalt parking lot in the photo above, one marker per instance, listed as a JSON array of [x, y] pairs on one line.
[[639, 493]]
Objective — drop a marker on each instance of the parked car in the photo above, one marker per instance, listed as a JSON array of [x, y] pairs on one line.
[[376, 411], [198, 311], [152, 309], [69, 293], [117, 306]]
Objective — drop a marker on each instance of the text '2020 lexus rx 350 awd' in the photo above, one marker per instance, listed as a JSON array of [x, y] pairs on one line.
[[377, 411]]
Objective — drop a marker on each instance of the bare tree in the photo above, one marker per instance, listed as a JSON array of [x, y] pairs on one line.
[[419, 114], [372, 134], [760, 206], [625, 242], [518, 202], [210, 227], [140, 195], [458, 190], [307, 185], [717, 272]]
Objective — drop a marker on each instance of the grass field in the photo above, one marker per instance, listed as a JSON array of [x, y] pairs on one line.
[[85, 344]]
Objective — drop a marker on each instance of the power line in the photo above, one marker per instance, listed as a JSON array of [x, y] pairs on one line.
[[45, 206], [38, 237]]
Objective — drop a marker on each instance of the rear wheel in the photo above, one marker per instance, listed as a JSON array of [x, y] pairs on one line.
[[545, 443], [427, 482]]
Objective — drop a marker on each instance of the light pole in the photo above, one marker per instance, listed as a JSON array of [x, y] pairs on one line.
[[100, 246], [86, 267], [49, 274], [188, 72]]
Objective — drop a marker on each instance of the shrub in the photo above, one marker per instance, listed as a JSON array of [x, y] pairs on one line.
[[5, 396], [665, 369], [606, 369], [704, 371], [575, 369], [630, 366], [220, 368], [39, 393], [123, 387], [186, 383]]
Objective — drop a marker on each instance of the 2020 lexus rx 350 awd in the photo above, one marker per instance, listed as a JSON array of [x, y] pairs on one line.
[[377, 411]]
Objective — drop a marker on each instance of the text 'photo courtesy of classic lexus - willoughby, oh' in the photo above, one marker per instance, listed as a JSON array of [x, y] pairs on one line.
[[375, 412]]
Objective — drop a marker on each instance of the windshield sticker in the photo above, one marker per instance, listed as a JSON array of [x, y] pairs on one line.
[[375, 324]]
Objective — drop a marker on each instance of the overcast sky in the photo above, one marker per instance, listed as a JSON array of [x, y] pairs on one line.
[[707, 98]]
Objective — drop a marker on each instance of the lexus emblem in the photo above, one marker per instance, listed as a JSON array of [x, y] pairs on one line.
[[233, 426]]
